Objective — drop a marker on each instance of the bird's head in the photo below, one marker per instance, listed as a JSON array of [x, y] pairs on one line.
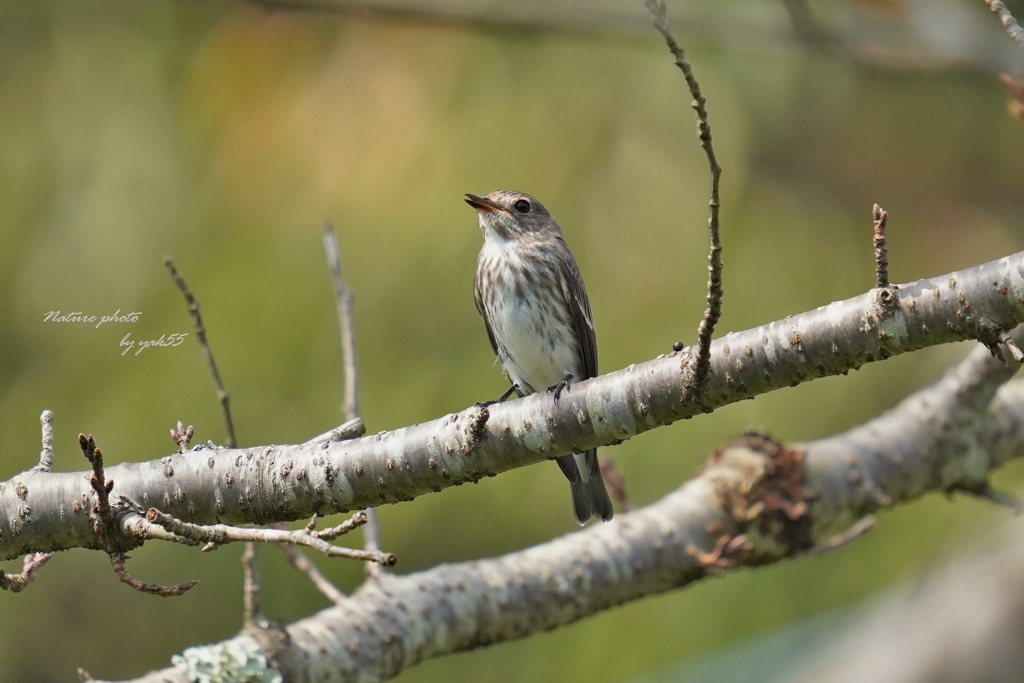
[[507, 214]]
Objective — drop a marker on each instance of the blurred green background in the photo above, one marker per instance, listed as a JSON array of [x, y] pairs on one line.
[[224, 135]]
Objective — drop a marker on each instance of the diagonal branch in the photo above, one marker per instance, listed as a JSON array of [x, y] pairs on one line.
[[273, 483], [296, 481]]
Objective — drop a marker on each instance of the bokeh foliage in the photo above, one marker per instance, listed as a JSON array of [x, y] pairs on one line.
[[225, 135]]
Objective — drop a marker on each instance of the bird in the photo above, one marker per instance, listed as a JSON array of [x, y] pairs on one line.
[[530, 293]]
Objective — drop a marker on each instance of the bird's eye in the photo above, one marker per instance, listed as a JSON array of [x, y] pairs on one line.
[[522, 206]]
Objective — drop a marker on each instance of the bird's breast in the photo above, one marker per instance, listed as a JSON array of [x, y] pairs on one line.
[[528, 316]]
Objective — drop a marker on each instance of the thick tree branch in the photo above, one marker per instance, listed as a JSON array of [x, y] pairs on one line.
[[754, 502], [49, 511]]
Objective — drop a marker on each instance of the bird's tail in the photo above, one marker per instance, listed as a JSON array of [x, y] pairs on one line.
[[590, 498]]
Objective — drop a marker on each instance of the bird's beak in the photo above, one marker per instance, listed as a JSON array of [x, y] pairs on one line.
[[482, 204]]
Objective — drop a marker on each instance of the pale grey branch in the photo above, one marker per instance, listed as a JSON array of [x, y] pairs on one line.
[[275, 483]]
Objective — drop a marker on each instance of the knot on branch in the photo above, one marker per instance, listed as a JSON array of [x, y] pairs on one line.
[[470, 428], [995, 337], [887, 301], [768, 501]]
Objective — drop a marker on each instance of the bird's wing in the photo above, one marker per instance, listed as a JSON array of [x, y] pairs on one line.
[[579, 309], [479, 299]]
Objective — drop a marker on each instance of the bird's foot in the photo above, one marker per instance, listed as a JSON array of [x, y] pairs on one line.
[[557, 387], [501, 399]]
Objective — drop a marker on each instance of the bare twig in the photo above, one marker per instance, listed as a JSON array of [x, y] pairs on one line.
[[346, 320], [46, 451], [219, 534], [698, 378], [349, 429], [347, 325], [304, 565], [105, 525], [250, 580], [197, 323], [880, 218], [182, 436], [1013, 29], [117, 561], [355, 521], [848, 536], [1011, 345], [30, 565], [252, 608], [251, 611], [887, 297], [100, 485]]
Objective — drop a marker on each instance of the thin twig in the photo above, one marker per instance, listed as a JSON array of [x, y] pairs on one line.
[[117, 561], [30, 565], [357, 520], [100, 485], [182, 436], [349, 429], [695, 387], [197, 323], [1006, 18], [46, 451], [304, 565], [346, 321], [252, 608], [880, 217], [371, 541], [860, 528], [250, 579], [104, 523], [219, 534], [1011, 345]]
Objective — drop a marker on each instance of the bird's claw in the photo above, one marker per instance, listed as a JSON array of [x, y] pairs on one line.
[[501, 399], [557, 387]]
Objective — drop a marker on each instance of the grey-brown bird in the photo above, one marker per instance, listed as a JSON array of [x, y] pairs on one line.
[[531, 295]]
